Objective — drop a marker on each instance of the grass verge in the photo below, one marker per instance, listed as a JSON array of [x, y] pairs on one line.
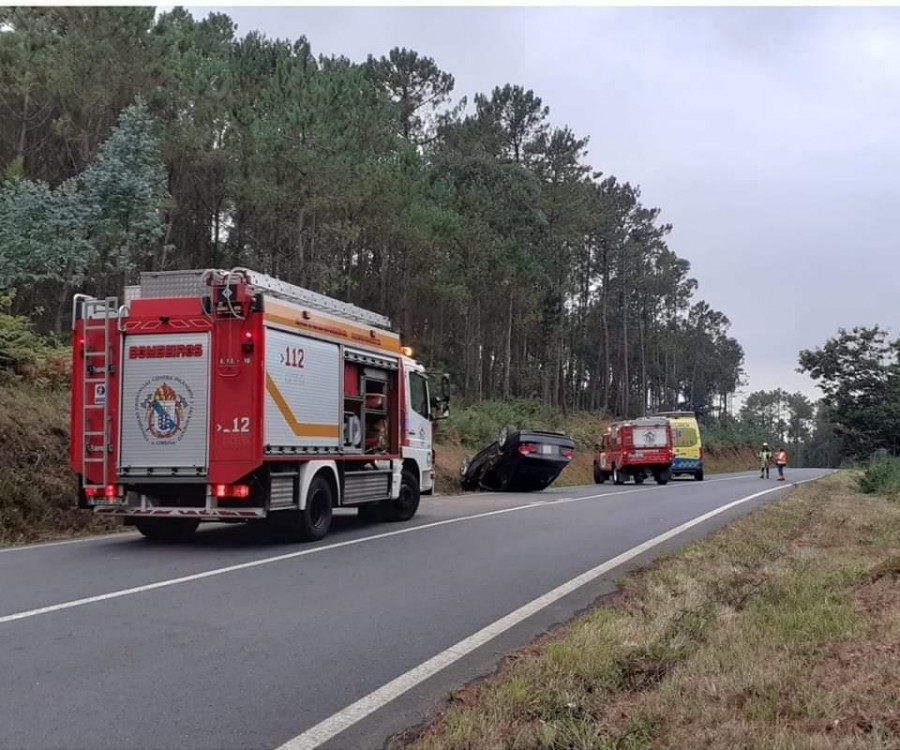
[[782, 630]]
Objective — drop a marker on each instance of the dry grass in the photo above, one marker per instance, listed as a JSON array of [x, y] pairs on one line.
[[780, 631], [37, 488]]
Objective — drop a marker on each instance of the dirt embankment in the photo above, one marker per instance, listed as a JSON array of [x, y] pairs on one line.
[[37, 488]]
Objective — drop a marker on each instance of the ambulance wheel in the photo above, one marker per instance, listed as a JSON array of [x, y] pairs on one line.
[[166, 529], [311, 523], [599, 475], [699, 475], [405, 506], [617, 476]]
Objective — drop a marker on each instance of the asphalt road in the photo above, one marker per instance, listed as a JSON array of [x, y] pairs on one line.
[[236, 641]]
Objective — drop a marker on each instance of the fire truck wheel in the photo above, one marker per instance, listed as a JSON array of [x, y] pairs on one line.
[[166, 529], [617, 476], [663, 477], [405, 506], [312, 523], [599, 475]]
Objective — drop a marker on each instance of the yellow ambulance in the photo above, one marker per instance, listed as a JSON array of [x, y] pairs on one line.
[[688, 448]]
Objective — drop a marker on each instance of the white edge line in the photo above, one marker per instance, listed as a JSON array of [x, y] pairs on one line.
[[355, 712], [61, 542], [301, 553], [291, 555], [127, 534]]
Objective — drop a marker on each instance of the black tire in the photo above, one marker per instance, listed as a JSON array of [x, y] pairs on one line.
[[599, 475], [663, 476], [167, 529], [312, 523], [699, 475], [405, 506], [617, 476]]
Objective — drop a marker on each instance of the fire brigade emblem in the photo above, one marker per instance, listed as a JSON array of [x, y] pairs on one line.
[[650, 437], [163, 409]]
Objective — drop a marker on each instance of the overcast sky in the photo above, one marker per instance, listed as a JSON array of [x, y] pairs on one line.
[[770, 138]]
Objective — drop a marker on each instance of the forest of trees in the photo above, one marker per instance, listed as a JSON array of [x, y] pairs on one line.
[[132, 142]]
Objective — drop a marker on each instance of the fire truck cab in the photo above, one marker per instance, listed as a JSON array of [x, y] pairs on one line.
[[214, 395]]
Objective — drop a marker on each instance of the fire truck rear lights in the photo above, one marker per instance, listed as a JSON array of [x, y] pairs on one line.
[[241, 491], [109, 491]]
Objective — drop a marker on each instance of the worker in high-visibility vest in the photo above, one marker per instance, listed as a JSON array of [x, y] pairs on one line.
[[765, 459], [781, 459]]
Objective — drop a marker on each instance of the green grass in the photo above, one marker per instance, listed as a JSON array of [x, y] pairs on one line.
[[882, 478]]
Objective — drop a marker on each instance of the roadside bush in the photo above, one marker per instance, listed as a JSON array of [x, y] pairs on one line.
[[477, 425], [26, 355], [882, 477]]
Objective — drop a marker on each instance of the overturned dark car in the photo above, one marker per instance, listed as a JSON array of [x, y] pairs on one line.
[[518, 461]]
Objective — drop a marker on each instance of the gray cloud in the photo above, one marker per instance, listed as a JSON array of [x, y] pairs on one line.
[[767, 136]]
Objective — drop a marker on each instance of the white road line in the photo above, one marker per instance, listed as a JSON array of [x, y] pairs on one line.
[[61, 542], [291, 555], [355, 712], [302, 553], [130, 534]]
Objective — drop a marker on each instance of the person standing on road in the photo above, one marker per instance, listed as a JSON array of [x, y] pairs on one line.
[[765, 458], [781, 459]]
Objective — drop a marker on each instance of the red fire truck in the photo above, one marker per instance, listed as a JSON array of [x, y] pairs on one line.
[[638, 448], [233, 396]]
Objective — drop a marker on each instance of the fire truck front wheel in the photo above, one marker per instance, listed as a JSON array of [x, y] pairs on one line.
[[405, 506], [166, 529]]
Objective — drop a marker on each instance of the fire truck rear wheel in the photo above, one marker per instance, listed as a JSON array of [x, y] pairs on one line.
[[405, 506], [663, 477], [312, 523], [617, 476], [166, 529], [599, 475]]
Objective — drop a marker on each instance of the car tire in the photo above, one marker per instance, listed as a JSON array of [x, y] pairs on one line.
[[617, 476], [405, 506], [167, 529]]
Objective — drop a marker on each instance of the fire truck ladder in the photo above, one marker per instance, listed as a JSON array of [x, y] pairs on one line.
[[96, 314], [294, 293]]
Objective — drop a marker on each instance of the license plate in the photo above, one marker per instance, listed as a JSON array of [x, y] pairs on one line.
[[546, 449]]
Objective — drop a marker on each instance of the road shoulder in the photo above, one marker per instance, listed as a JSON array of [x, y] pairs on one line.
[[783, 623]]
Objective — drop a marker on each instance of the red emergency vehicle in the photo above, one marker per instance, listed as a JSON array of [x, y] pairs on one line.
[[637, 448], [233, 396]]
